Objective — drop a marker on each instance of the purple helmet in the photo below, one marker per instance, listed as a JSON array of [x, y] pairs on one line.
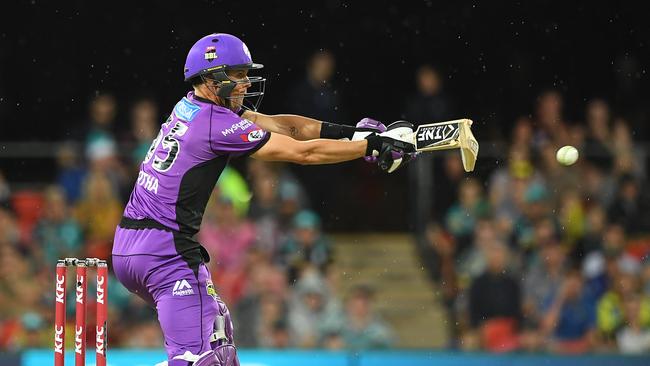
[[213, 55]]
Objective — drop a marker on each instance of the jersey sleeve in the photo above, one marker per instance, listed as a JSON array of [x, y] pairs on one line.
[[237, 136]]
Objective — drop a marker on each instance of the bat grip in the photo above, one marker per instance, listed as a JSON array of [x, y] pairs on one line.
[[384, 157]]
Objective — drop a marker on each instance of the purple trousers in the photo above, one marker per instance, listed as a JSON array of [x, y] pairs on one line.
[[168, 271]]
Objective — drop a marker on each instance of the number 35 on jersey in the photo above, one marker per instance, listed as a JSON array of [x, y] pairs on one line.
[[170, 145]]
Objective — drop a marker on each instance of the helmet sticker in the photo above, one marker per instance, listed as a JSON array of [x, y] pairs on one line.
[[210, 53]]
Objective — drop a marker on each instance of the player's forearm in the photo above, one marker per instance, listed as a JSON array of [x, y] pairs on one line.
[[322, 151], [298, 127]]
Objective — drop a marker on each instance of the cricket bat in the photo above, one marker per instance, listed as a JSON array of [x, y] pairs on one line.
[[455, 134]]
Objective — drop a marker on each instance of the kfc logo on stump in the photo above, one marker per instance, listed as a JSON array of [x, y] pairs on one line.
[[58, 339], [100, 339], [60, 291]]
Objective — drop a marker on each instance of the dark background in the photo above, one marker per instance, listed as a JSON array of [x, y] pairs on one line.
[[496, 58], [497, 55]]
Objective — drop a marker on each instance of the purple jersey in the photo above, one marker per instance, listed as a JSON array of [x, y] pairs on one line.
[[184, 162]]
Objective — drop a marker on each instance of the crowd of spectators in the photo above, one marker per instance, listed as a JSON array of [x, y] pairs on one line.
[[541, 257], [534, 256]]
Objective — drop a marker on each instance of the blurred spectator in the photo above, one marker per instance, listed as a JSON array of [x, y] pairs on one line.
[[360, 328], [225, 234], [628, 158], [537, 222], [472, 262], [571, 216], [311, 305], [102, 158], [462, 215], [99, 211], [599, 142], [9, 233], [508, 185], [277, 197], [598, 185], [542, 280], [262, 306], [306, 246], [569, 317], [550, 125], [144, 126], [101, 123], [611, 306], [57, 233], [316, 96], [494, 301], [440, 255], [71, 173], [101, 148], [264, 183], [522, 135], [631, 206], [429, 103], [592, 240], [634, 337]]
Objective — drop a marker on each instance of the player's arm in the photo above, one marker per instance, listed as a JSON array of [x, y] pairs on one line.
[[323, 151], [317, 151], [305, 128], [294, 126]]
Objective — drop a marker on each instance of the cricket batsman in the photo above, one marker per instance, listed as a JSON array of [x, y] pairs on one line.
[[155, 253]]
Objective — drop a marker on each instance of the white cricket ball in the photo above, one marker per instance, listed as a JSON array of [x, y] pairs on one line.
[[567, 155]]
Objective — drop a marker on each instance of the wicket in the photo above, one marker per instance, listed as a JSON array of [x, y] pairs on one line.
[[81, 266]]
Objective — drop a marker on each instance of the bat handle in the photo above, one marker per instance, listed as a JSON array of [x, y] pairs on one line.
[[383, 158]]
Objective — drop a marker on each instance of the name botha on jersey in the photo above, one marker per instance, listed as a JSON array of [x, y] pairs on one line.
[[149, 182]]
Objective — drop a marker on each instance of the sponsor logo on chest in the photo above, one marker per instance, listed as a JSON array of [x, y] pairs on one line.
[[241, 125]]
